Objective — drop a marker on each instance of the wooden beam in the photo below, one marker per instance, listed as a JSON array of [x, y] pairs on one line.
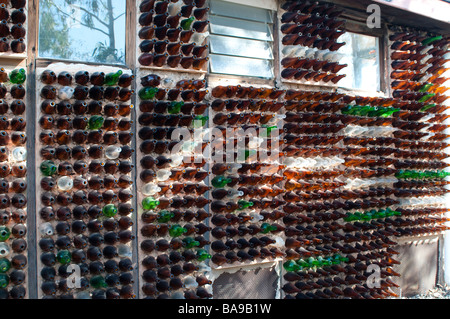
[[131, 35], [32, 50]]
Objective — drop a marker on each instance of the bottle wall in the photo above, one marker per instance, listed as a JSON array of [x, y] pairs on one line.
[[14, 182], [13, 28], [152, 182], [84, 180], [173, 187]]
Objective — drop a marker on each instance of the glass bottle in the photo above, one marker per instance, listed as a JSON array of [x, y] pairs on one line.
[[17, 76]]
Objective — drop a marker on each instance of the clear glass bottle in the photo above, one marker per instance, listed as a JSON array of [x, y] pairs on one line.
[[19, 154], [113, 152], [65, 183], [150, 189]]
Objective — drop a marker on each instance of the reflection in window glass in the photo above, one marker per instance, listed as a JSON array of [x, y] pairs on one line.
[[82, 30], [362, 54], [223, 64]]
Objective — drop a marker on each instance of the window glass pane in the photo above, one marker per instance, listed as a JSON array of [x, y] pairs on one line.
[[362, 54], [240, 66], [240, 28], [240, 40], [240, 47], [82, 30], [245, 12]]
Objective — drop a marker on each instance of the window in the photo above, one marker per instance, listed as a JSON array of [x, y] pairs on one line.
[[362, 54], [240, 40], [82, 30]]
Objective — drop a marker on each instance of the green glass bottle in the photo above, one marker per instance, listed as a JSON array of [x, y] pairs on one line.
[[187, 23], [380, 214], [98, 282], [405, 174], [425, 98], [336, 260], [96, 122], [5, 265], [175, 107], [302, 263], [412, 174], [389, 213], [375, 111], [364, 110], [149, 203], [48, 168], [327, 261], [389, 111], [320, 261], [442, 174], [64, 257], [349, 109], [177, 231], [18, 76], [200, 121], [346, 109], [385, 111], [267, 228], [292, 266], [355, 110], [110, 210], [4, 280], [244, 204], [427, 107], [268, 130], [431, 40], [112, 78], [147, 93], [203, 255], [220, 181], [367, 216], [313, 263], [5, 233], [341, 259], [190, 242], [408, 174], [165, 216], [350, 217], [426, 87]]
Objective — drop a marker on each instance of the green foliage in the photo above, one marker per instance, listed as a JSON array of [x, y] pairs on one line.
[[57, 16], [105, 53], [53, 32]]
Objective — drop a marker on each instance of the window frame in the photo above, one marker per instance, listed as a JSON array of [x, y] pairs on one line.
[[355, 25]]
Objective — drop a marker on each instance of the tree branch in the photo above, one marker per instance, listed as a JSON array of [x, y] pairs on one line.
[[118, 16], [90, 14], [80, 22], [104, 5]]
